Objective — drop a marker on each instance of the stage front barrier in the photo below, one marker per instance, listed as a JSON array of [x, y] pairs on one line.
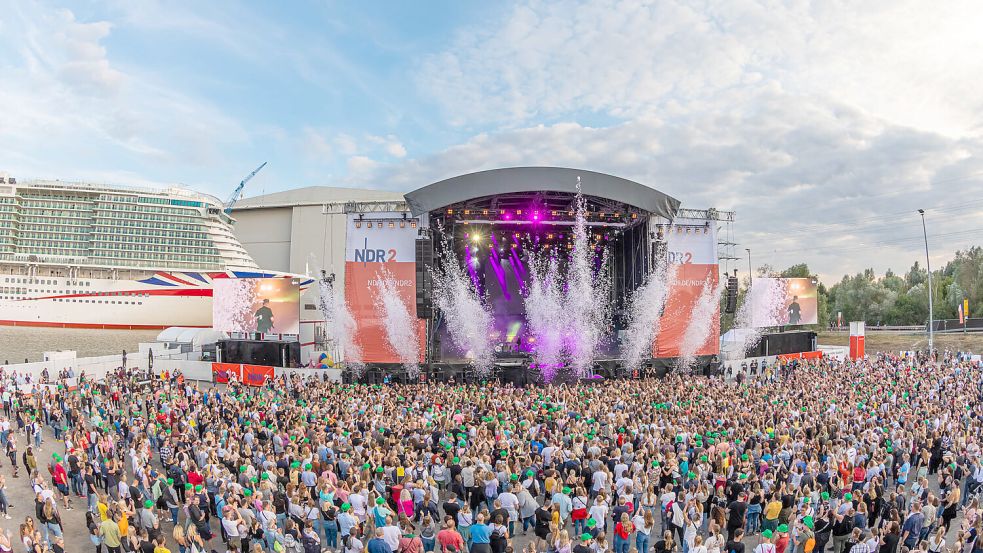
[[801, 355], [256, 375], [223, 372], [856, 340]]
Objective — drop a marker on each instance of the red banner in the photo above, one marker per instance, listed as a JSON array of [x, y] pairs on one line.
[[222, 371], [256, 375], [801, 355]]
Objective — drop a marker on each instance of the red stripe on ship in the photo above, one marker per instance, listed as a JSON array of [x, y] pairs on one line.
[[130, 293], [169, 276], [101, 326]]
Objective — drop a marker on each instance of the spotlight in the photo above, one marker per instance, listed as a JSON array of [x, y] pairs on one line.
[[475, 237], [392, 224]]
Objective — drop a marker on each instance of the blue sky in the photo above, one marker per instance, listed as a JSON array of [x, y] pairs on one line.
[[823, 124]]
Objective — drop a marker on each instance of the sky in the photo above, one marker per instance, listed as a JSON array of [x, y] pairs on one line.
[[824, 125]]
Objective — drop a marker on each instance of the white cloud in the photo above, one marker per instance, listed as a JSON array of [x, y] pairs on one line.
[[317, 146], [66, 106], [908, 61], [799, 173], [396, 150], [822, 125]]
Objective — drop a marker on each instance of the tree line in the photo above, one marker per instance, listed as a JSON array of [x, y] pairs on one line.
[[893, 299]]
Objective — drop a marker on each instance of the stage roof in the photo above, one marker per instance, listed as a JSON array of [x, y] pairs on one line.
[[512, 180]]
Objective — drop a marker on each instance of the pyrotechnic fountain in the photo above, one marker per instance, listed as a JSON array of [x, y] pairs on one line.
[[568, 319], [546, 314], [644, 314], [399, 324], [469, 322], [339, 324], [700, 325]]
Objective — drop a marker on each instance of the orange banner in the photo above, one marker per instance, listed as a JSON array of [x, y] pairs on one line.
[[801, 355], [222, 371], [385, 241], [256, 375], [691, 250], [683, 295]]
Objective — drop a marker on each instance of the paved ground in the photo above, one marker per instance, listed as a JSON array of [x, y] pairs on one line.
[[76, 535]]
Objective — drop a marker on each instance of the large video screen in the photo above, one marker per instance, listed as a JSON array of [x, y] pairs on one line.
[[256, 305], [784, 302]]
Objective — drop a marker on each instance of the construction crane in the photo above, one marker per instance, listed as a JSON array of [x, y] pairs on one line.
[[237, 193]]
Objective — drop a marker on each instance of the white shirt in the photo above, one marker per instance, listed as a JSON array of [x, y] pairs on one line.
[[391, 535]]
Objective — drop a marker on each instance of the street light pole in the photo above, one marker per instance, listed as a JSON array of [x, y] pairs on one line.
[[928, 266], [750, 273]]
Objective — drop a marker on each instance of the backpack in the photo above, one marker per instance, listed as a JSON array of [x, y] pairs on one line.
[[669, 509], [310, 545], [810, 545]]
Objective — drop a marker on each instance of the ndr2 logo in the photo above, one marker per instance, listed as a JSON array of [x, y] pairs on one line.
[[374, 255]]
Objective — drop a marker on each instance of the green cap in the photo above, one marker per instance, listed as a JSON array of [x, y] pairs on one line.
[[242, 468], [380, 469], [148, 503], [848, 496], [308, 466], [808, 522], [456, 460], [824, 496], [766, 534], [346, 506], [744, 457], [585, 536], [379, 501], [170, 481], [782, 528], [248, 492], [188, 486], [198, 488], [529, 473], [591, 523], [566, 489]]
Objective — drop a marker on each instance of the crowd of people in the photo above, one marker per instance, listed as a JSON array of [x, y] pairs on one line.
[[877, 456]]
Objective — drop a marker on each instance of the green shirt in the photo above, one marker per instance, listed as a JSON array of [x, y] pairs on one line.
[[110, 533]]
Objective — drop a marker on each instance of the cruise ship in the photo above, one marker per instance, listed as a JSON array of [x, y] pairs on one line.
[[79, 255]]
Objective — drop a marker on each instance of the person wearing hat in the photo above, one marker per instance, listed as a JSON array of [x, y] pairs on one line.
[[380, 512], [584, 544], [564, 504], [346, 521], [805, 537], [147, 518], [766, 545], [781, 538]]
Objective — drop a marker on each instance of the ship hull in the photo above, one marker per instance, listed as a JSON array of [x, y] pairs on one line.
[[163, 300]]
